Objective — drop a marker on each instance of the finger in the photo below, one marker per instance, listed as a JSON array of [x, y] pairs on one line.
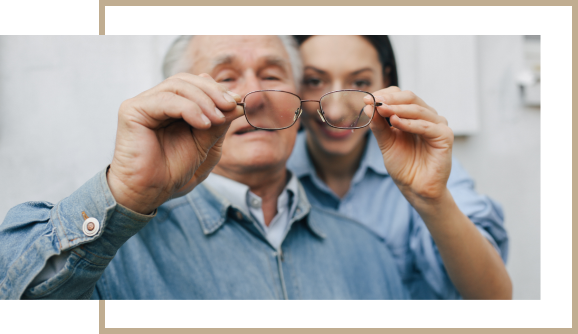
[[403, 97], [195, 94], [223, 99], [154, 110], [391, 89], [230, 116], [426, 129], [379, 126], [410, 111]]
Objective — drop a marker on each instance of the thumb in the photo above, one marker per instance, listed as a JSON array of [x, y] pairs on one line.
[[380, 127]]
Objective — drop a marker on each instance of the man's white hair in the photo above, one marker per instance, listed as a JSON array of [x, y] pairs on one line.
[[176, 60]]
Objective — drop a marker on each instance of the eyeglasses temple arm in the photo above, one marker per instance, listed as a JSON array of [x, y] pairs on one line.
[[377, 104]]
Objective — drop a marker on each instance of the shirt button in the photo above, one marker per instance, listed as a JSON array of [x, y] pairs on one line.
[[239, 215], [255, 203], [90, 226]]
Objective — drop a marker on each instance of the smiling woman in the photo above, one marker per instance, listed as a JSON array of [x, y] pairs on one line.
[[398, 180]]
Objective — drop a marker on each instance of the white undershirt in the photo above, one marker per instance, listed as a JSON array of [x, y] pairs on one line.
[[243, 199]]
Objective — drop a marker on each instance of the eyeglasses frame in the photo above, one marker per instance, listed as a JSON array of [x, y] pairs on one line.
[[319, 111]]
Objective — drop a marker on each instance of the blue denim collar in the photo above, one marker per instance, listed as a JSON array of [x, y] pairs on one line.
[[372, 158], [211, 209]]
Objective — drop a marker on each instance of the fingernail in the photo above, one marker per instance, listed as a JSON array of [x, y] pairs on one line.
[[380, 98], [229, 98], [205, 119], [219, 113]]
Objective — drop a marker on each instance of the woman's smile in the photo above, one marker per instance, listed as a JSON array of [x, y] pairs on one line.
[[333, 133]]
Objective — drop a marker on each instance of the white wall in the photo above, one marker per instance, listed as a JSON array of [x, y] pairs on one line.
[[59, 97], [503, 153]]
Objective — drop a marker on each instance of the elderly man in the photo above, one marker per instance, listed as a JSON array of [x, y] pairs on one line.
[[247, 232]]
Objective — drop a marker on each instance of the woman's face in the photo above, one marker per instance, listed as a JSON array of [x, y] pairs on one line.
[[334, 63]]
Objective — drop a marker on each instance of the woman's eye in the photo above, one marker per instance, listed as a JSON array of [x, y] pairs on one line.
[[361, 83], [312, 82], [226, 80], [271, 78]]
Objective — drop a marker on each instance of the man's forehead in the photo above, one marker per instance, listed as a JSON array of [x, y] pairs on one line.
[[210, 51]]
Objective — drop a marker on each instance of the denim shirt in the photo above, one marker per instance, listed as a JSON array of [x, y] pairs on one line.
[[195, 247], [376, 202], [240, 196]]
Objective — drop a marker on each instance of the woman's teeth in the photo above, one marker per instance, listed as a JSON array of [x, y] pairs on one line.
[[330, 129]]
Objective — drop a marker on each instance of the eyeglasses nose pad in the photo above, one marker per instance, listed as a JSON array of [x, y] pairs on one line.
[[321, 115], [297, 114]]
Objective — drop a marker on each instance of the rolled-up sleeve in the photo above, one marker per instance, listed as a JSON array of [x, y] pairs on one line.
[[486, 214], [34, 232]]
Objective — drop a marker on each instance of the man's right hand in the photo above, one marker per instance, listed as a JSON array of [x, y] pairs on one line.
[[168, 140]]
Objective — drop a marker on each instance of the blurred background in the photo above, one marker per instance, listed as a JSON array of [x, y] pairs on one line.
[[59, 98]]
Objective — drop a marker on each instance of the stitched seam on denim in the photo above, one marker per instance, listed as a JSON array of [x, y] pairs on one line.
[[48, 291], [100, 257], [281, 277], [202, 220], [274, 275], [60, 220], [55, 232], [103, 191], [225, 205], [70, 275], [139, 219], [85, 259]]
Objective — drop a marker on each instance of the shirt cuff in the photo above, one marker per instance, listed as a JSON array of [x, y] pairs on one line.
[[114, 224]]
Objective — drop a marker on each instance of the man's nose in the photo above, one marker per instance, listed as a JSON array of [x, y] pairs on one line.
[[249, 83]]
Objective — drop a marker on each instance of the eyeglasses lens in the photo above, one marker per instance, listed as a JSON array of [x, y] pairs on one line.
[[272, 110], [344, 109]]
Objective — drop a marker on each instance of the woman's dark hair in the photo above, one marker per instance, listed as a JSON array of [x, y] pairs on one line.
[[384, 50]]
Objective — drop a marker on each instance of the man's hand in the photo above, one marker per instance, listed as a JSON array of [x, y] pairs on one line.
[[417, 148], [169, 138]]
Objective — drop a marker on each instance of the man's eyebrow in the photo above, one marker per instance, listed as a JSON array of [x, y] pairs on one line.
[[228, 59], [275, 61], [225, 59]]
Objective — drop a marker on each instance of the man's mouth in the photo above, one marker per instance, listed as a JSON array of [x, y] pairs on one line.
[[246, 130]]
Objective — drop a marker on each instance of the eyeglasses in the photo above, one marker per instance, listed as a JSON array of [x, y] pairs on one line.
[[277, 109]]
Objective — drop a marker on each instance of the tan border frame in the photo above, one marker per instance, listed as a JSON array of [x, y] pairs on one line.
[[103, 3]]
